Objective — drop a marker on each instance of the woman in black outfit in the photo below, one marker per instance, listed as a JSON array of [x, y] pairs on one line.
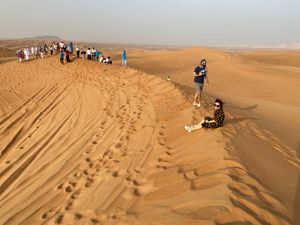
[[209, 122]]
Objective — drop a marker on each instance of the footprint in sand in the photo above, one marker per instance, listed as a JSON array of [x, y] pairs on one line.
[[91, 165], [61, 186], [78, 216], [89, 182], [142, 187], [161, 134], [99, 134], [45, 216], [119, 145], [165, 158], [190, 175], [59, 219], [138, 186], [162, 166], [48, 214], [95, 220], [88, 160], [97, 167], [168, 153], [162, 141], [68, 189], [76, 194], [86, 172], [77, 175], [73, 183], [119, 173], [69, 206]]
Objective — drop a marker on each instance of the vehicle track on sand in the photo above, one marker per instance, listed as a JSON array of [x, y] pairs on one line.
[[86, 143]]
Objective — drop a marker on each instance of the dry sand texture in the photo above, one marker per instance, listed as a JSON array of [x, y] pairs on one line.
[[261, 91], [87, 143]]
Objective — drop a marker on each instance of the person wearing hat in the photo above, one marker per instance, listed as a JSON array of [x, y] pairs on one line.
[[200, 74]]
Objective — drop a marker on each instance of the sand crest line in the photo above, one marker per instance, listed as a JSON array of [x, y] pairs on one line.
[[88, 143]]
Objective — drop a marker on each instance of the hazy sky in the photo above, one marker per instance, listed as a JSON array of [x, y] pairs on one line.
[[183, 22]]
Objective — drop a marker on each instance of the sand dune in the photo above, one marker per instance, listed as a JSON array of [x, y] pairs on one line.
[[86, 143], [262, 104]]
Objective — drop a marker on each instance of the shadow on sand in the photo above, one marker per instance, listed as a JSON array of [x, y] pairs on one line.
[[32, 59], [296, 214], [236, 120], [189, 91], [248, 108]]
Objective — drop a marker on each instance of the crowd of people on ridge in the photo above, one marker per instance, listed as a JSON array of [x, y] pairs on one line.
[[65, 51], [41, 51]]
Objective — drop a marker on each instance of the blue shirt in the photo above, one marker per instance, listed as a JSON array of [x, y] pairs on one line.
[[201, 71], [124, 55], [62, 55]]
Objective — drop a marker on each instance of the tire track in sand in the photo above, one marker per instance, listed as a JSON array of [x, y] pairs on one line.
[[99, 145]]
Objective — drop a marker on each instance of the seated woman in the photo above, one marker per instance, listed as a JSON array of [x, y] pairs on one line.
[[102, 58], [209, 122], [107, 60], [83, 53]]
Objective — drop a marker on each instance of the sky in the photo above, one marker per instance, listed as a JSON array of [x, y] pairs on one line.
[[165, 22]]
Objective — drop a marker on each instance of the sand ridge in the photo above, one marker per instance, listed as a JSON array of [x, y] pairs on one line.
[[87, 143]]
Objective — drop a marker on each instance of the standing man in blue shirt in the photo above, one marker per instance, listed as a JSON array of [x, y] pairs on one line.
[[124, 58], [200, 74], [97, 54]]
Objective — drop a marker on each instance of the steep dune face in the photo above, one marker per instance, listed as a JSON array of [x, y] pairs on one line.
[[260, 90], [86, 143]]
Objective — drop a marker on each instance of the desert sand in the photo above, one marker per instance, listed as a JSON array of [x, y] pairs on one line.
[[87, 143]]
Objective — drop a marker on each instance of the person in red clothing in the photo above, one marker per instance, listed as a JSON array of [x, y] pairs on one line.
[[20, 56], [68, 56]]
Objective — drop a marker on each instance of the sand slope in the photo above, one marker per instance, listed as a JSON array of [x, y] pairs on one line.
[[260, 90], [86, 143]]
